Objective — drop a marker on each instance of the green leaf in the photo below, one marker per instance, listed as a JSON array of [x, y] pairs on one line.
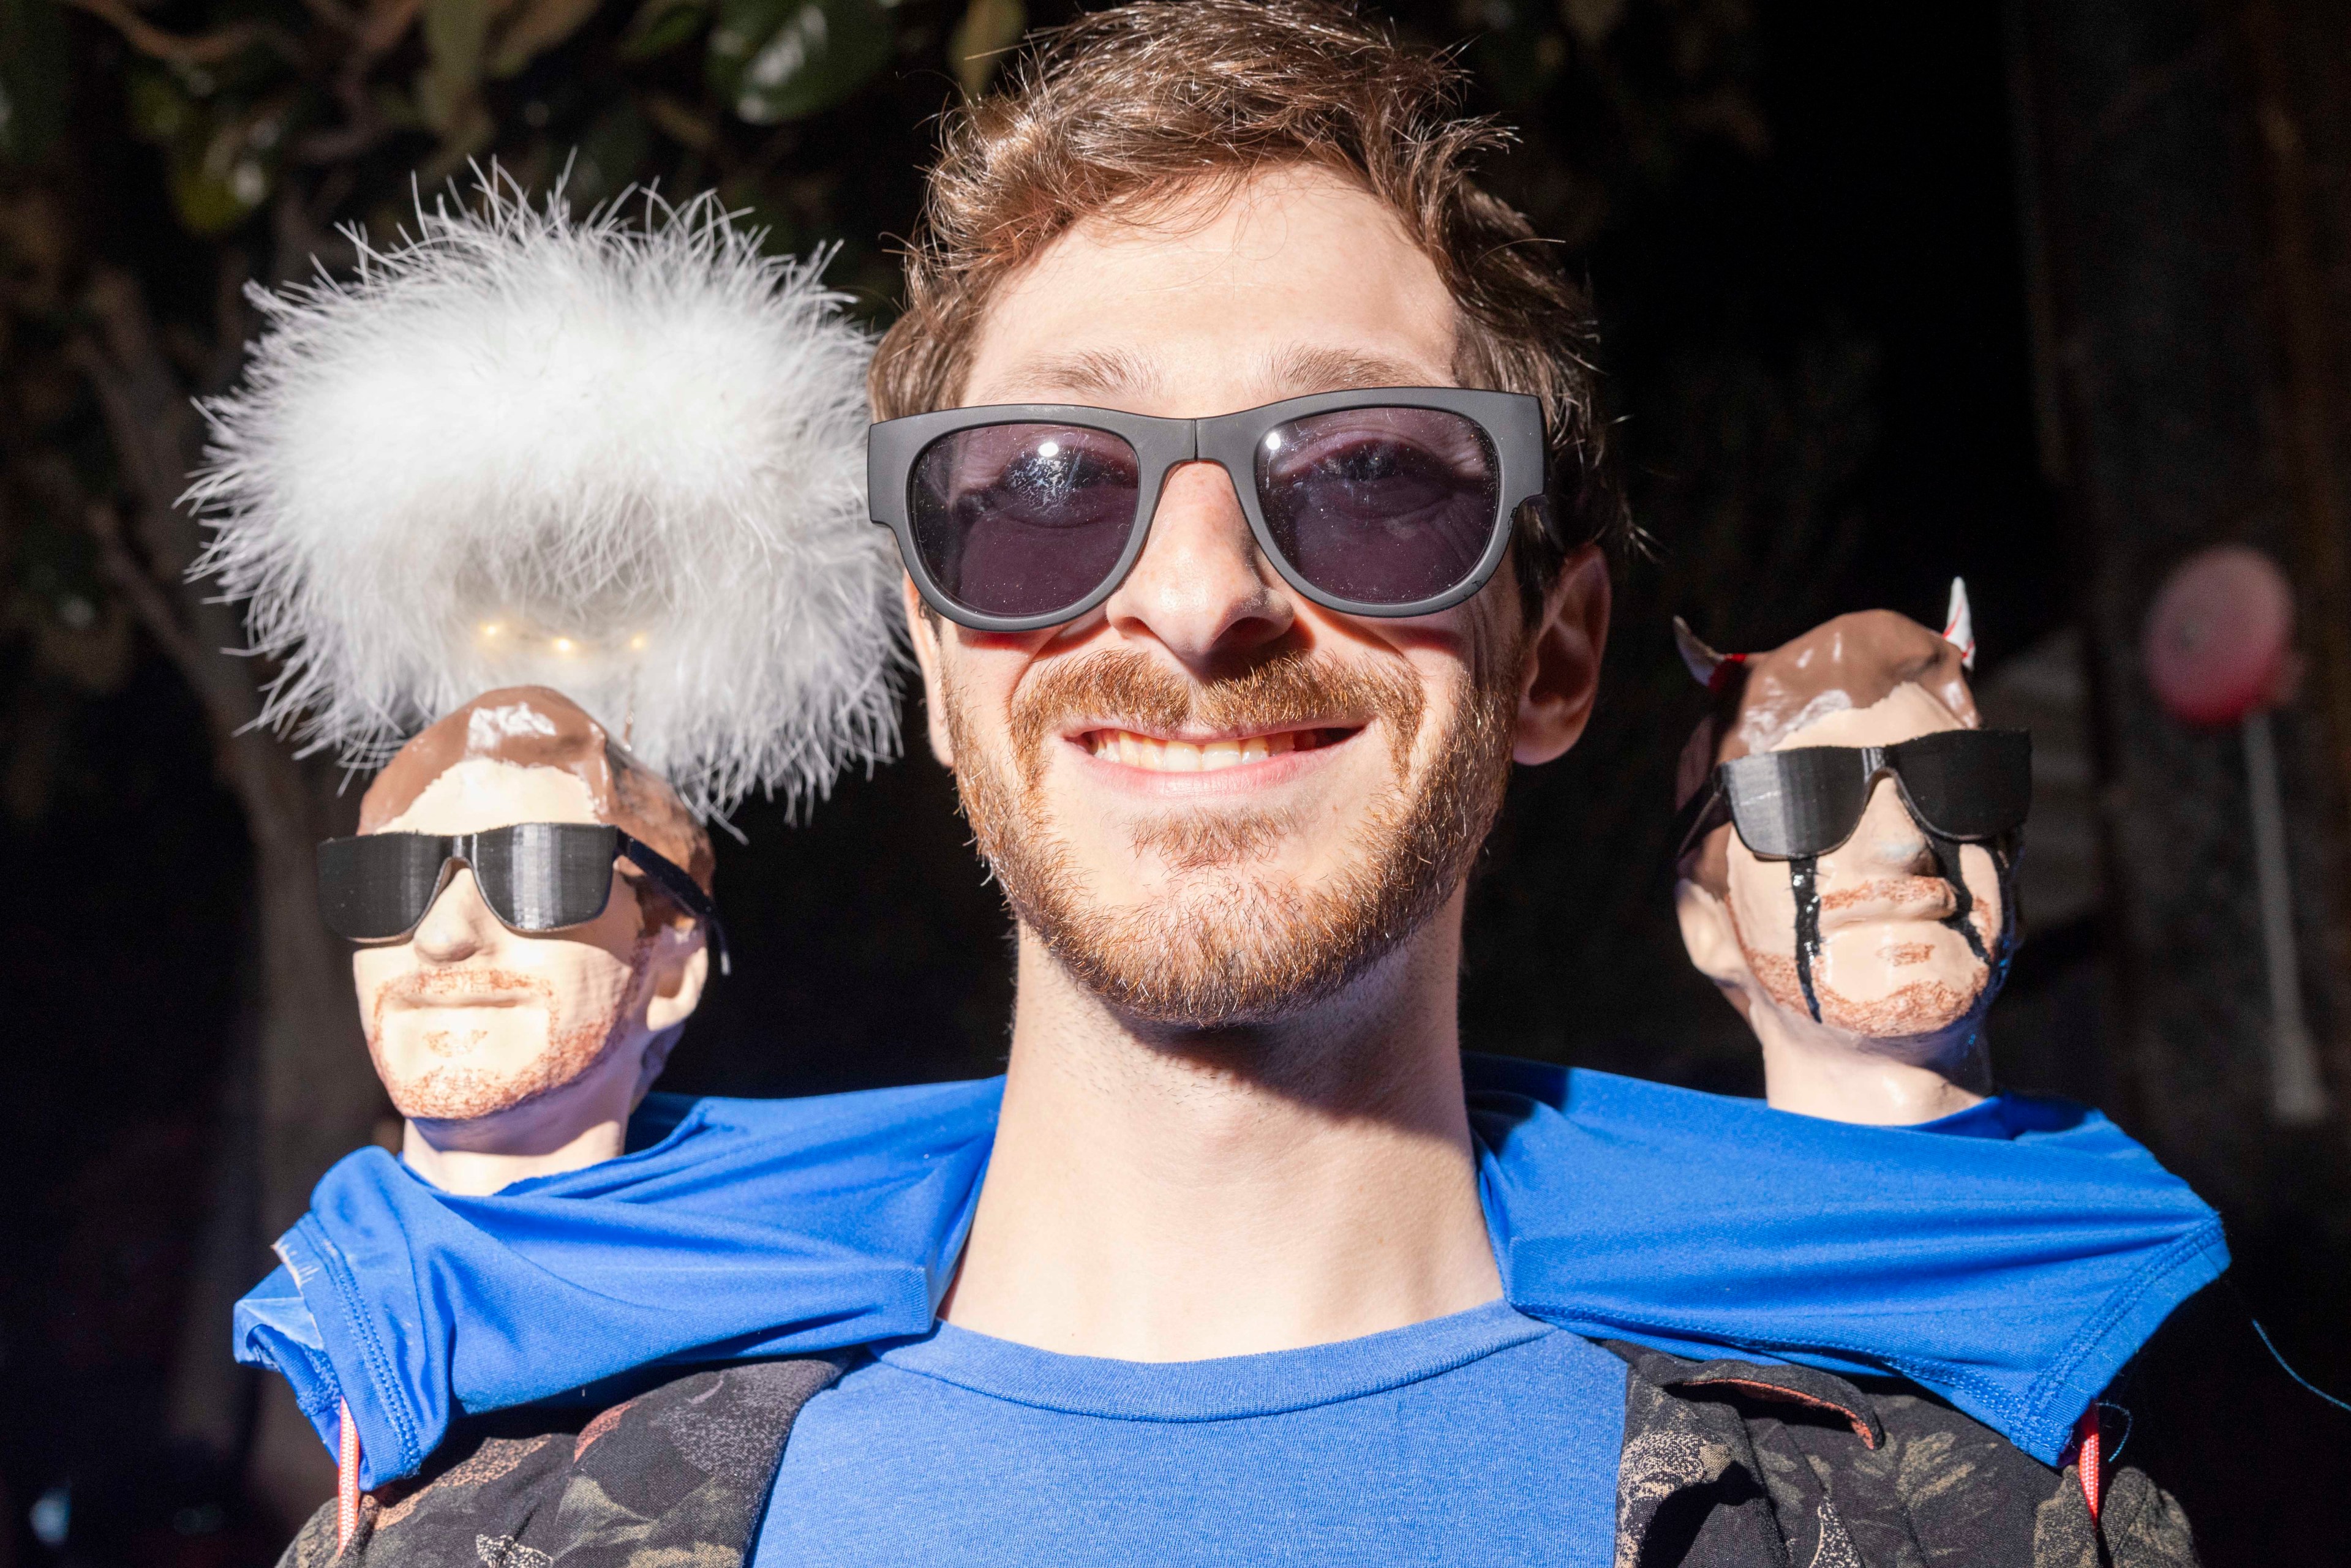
[[33, 73], [609, 156], [660, 25], [454, 32], [537, 27], [160, 111], [773, 60], [217, 180], [988, 29]]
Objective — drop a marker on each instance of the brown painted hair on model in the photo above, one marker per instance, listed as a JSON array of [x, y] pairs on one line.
[[1116, 112], [1855, 661], [536, 727]]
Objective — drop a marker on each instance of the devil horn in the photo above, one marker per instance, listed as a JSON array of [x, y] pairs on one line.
[[1707, 667], [1959, 624]]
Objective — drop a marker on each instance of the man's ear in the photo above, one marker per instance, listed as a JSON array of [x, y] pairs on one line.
[[923, 629], [1708, 937], [1562, 668]]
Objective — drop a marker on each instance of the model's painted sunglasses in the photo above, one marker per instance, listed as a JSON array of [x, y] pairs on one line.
[[1390, 501], [1967, 785], [535, 877]]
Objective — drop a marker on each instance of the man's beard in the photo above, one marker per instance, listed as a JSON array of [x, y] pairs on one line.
[[1232, 942]]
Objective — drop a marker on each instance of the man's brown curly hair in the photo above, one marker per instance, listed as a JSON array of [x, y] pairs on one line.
[[1124, 107]]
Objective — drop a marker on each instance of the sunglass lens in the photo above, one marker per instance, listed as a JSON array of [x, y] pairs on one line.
[[1788, 804], [1380, 506], [1969, 784], [1023, 519], [379, 885], [544, 876]]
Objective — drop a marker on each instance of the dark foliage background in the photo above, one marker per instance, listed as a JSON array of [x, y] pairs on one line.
[[1808, 228]]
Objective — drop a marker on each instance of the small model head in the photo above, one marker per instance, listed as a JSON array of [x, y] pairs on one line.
[[603, 464], [532, 907], [1844, 850]]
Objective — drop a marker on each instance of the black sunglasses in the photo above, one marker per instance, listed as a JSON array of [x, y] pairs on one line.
[[535, 877], [1391, 501], [1968, 785]]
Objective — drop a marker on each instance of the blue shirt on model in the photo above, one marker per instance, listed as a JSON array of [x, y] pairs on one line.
[[1485, 1438]]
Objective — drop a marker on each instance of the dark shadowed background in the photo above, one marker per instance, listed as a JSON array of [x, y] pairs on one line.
[[2048, 296]]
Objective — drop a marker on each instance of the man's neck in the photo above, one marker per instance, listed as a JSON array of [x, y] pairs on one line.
[[1171, 1196]]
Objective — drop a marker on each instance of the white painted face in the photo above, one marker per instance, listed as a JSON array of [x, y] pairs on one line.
[[1888, 968], [466, 1018]]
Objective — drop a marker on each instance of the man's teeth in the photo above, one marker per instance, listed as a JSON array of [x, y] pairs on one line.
[[1183, 756]]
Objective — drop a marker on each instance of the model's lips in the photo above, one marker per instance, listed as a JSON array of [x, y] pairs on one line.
[[1888, 898], [464, 988], [1172, 754]]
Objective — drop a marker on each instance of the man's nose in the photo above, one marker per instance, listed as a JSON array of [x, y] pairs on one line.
[[1202, 590], [458, 926], [1888, 842]]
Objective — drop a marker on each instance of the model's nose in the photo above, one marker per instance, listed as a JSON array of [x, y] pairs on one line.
[[459, 924], [1888, 841]]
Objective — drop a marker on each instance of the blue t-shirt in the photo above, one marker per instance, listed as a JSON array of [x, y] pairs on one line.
[[1485, 1438]]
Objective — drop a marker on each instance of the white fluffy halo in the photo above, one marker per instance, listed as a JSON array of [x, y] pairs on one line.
[[623, 460]]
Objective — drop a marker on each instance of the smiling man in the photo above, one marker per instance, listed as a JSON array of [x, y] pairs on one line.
[[1241, 458]]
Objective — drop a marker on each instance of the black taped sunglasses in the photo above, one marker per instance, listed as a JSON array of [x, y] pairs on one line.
[[1968, 785], [535, 877], [1391, 501]]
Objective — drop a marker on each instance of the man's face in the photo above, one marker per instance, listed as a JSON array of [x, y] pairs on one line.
[[1888, 966], [1212, 800], [466, 1018]]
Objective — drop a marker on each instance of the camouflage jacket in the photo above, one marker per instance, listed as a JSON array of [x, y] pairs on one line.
[[1727, 1464]]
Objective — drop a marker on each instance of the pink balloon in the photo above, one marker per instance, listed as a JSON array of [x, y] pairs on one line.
[[2220, 636]]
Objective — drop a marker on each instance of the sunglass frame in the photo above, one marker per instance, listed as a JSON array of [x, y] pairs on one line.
[[463, 849], [1713, 806], [1511, 422]]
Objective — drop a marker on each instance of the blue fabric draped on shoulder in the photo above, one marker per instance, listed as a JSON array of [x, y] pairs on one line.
[[2011, 1271], [2012, 1275]]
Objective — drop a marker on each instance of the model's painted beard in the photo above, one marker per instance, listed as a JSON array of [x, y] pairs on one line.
[[464, 1076], [1235, 940], [1911, 1010]]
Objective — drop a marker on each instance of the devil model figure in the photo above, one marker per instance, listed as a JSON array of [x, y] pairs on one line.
[[1846, 850]]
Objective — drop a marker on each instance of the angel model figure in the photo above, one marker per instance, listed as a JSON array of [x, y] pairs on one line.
[[1846, 850], [576, 505]]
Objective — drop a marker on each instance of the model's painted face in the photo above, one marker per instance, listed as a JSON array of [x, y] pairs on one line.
[[1213, 799], [1887, 966], [466, 1018]]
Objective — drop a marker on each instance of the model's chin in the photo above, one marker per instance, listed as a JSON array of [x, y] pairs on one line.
[[451, 1075], [1920, 1009], [1903, 995]]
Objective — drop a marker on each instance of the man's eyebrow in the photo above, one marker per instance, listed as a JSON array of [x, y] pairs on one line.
[[1101, 375], [1301, 368]]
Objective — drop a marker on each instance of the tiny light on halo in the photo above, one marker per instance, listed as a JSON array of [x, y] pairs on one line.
[[637, 644], [491, 627], [565, 645]]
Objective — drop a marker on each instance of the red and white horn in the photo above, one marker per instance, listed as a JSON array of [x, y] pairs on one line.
[[1707, 667], [1959, 624]]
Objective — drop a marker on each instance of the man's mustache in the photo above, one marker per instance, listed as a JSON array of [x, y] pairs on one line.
[[1128, 688]]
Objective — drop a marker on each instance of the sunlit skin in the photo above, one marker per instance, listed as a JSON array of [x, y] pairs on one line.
[[1162, 1193], [513, 1054], [1905, 989]]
